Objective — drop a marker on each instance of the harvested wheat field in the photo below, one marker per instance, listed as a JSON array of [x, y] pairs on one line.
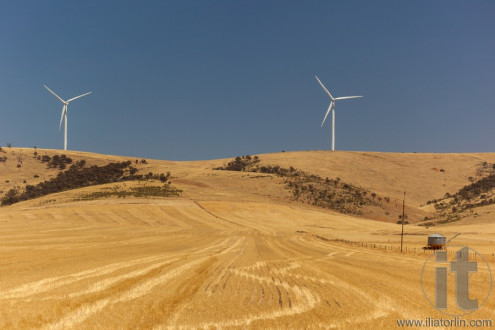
[[237, 249]]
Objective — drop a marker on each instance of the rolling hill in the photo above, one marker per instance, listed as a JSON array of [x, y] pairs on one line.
[[232, 248]]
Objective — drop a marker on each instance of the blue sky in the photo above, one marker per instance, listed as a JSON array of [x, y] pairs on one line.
[[187, 80]]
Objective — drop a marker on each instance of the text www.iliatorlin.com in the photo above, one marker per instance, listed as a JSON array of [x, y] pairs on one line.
[[441, 322]]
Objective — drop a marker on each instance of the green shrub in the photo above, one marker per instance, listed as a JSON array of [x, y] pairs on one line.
[[241, 163]]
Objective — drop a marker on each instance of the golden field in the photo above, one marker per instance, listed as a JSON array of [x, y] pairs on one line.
[[233, 250]]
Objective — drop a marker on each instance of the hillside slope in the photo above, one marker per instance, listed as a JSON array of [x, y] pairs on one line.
[[424, 177], [233, 250]]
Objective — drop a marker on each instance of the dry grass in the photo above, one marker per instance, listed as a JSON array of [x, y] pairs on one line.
[[232, 251]]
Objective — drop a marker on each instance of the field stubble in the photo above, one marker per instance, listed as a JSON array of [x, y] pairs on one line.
[[185, 264]]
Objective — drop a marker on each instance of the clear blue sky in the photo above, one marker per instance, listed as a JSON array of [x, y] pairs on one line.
[[186, 80]]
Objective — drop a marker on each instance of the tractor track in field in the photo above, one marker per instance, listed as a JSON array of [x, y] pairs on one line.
[[169, 271]]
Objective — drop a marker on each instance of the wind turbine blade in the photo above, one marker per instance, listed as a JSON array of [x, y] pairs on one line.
[[64, 111], [75, 98], [324, 88], [58, 97], [346, 97], [328, 111]]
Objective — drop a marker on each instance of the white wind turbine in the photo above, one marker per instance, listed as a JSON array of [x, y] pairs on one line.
[[331, 107], [64, 112]]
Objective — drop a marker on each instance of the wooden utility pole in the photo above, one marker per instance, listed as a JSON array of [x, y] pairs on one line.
[[403, 216]]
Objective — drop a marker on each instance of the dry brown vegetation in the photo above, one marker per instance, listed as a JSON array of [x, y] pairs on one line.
[[465, 202], [233, 250], [311, 188]]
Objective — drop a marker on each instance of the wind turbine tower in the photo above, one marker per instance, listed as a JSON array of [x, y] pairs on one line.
[[64, 112], [331, 108]]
